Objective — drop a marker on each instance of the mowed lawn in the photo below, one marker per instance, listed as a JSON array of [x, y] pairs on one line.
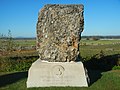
[[100, 81]]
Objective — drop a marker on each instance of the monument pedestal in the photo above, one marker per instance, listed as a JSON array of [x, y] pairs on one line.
[[61, 74]]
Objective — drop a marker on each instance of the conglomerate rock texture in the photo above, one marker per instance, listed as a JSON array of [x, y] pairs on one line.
[[59, 30]]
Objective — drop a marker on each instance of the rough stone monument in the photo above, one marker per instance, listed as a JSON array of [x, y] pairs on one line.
[[59, 30]]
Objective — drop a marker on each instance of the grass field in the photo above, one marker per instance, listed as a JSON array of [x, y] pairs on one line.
[[100, 81], [87, 42], [87, 48], [108, 49], [25, 42], [99, 57], [100, 42]]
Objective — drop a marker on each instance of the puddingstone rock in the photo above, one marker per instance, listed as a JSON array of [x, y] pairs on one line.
[[59, 30]]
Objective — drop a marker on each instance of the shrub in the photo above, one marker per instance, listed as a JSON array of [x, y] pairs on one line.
[[8, 64], [116, 68]]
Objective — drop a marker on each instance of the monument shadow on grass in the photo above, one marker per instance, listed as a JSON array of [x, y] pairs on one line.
[[12, 78], [95, 66]]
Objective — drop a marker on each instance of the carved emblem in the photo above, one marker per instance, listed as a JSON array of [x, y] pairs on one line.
[[58, 70]]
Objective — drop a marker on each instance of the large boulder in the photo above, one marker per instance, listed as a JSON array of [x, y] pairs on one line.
[[59, 30]]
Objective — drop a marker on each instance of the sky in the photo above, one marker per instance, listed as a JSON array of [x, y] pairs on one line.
[[101, 17]]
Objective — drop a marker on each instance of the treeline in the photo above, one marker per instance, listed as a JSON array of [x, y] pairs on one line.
[[86, 37], [20, 38], [97, 37], [102, 37], [25, 38]]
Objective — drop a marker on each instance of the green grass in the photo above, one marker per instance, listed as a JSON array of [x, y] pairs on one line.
[[87, 42], [108, 49], [100, 42], [107, 81], [25, 42], [91, 47]]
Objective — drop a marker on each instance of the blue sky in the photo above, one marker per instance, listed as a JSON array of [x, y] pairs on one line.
[[102, 17]]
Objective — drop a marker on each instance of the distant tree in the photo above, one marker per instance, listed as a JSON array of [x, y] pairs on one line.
[[9, 41], [87, 38], [95, 38], [6, 43]]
